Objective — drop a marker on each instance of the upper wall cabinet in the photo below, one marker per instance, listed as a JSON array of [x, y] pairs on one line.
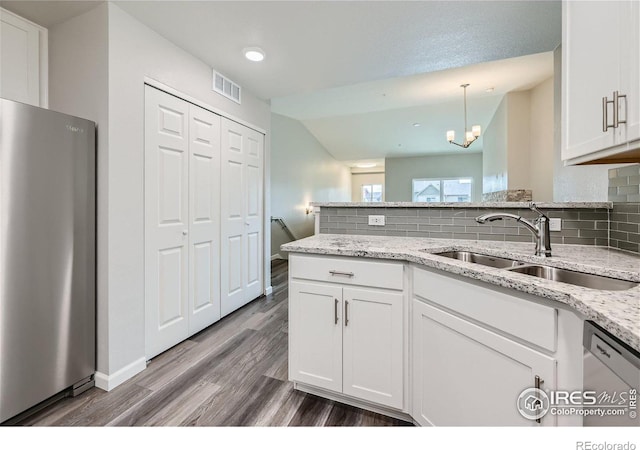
[[601, 82], [23, 60]]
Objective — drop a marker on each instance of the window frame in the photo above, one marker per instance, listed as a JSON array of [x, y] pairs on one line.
[[371, 185], [441, 183]]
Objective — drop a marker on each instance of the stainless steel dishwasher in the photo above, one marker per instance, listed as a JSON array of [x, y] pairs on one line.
[[612, 370]]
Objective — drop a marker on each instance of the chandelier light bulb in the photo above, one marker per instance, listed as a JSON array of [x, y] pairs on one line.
[[451, 135], [469, 136]]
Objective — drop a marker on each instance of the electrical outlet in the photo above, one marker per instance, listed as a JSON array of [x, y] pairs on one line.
[[555, 224], [376, 220]]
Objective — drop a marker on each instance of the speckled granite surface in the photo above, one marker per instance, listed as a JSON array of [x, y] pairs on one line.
[[517, 205], [616, 311]]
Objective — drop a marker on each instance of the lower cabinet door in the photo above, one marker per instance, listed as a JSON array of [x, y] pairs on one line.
[[373, 346], [466, 375], [315, 339]]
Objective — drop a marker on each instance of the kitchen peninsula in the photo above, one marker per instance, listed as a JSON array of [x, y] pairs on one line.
[[397, 325]]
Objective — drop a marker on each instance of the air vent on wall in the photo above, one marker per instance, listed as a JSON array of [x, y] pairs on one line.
[[224, 86]]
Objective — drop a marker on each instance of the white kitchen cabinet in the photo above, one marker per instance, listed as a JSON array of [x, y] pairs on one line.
[[471, 348], [23, 60], [347, 339], [466, 375], [372, 345], [315, 335], [601, 55]]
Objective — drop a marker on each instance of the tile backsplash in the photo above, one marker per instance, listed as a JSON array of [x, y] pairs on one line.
[[586, 226], [625, 226], [624, 184], [624, 192]]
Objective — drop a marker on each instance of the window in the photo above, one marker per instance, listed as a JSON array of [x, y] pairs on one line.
[[371, 193], [442, 190]]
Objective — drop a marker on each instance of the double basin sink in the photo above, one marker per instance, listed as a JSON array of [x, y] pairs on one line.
[[541, 271]]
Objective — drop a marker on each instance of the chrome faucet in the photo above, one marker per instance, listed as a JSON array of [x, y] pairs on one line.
[[539, 227]]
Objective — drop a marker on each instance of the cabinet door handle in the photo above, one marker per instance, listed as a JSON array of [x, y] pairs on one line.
[[538, 382], [605, 126], [616, 116], [344, 274], [335, 312], [616, 99], [346, 313], [605, 114]]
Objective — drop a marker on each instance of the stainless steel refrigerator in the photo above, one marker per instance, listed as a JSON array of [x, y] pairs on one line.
[[47, 255]]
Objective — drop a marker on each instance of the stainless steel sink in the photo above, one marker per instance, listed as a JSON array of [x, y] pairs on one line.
[[576, 278], [485, 260]]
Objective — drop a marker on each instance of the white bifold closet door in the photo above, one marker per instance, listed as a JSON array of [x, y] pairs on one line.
[[241, 221], [182, 221]]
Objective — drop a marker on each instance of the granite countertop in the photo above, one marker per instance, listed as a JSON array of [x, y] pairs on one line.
[[502, 205], [616, 311]]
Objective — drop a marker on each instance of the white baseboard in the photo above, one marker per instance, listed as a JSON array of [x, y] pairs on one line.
[[268, 290], [276, 256], [109, 382]]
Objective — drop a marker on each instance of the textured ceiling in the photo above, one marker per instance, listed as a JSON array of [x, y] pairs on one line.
[[391, 133], [375, 120], [313, 45], [358, 73], [513, 74]]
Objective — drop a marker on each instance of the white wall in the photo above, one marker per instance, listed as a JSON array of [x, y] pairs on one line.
[[136, 51], [399, 172], [302, 171], [506, 145], [78, 79], [494, 151], [518, 143], [361, 178], [541, 140], [518, 140], [99, 61]]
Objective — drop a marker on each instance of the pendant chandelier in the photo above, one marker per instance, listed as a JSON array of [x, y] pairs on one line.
[[469, 136]]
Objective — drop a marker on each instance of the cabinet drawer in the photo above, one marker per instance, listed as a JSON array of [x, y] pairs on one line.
[[516, 316], [352, 271]]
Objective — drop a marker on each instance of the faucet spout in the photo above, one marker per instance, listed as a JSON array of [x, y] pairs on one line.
[[499, 216], [539, 227]]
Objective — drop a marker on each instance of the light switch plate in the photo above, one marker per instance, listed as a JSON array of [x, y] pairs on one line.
[[376, 220], [555, 224]]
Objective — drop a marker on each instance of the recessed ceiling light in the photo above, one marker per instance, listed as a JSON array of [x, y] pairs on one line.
[[253, 53], [416, 124], [366, 165], [489, 89]]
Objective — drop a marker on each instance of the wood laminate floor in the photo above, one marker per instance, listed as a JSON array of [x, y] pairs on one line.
[[233, 373]]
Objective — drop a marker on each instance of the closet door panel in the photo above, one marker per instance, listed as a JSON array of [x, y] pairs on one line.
[[233, 270], [254, 144], [166, 221], [242, 215], [204, 207]]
